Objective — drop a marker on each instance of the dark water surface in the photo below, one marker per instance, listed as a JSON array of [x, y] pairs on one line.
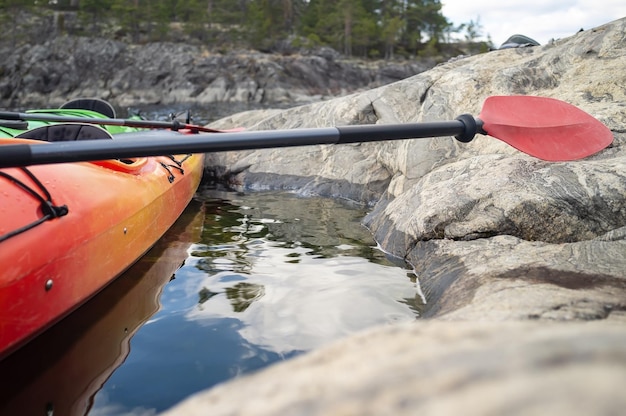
[[240, 282], [200, 114]]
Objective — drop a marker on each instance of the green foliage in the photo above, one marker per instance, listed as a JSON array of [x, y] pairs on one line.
[[367, 28], [430, 49], [10, 11]]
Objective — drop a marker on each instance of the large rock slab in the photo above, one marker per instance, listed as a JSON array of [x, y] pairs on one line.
[[504, 277], [440, 368], [489, 195]]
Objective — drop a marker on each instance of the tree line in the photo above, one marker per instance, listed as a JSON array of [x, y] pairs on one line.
[[363, 28]]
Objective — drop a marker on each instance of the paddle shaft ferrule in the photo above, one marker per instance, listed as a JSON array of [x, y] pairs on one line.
[[471, 126], [16, 155]]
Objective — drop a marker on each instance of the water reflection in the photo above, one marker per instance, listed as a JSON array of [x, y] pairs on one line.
[[242, 295], [297, 275], [267, 277], [271, 276]]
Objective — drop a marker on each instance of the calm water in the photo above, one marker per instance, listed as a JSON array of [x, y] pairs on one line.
[[200, 114], [241, 282]]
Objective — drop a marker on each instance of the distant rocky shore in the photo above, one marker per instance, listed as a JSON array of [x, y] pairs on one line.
[[67, 67]]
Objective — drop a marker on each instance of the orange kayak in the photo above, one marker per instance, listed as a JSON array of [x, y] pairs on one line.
[[67, 230]]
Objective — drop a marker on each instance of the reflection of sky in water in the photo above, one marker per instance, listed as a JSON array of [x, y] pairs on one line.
[[272, 276], [293, 306]]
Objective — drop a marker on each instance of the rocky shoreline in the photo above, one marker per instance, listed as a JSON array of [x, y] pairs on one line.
[[522, 262], [67, 67]]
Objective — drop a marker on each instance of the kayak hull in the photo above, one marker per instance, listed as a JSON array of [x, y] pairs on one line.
[[64, 367], [116, 212]]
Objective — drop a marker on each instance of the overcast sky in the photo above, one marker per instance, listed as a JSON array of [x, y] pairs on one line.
[[540, 20]]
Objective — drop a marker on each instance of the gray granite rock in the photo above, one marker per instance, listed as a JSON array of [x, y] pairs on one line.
[[440, 368], [66, 67]]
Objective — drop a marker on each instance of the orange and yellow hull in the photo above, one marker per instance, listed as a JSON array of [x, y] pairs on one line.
[[116, 212], [63, 368]]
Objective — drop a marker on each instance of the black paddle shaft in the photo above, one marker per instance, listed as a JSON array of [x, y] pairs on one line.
[[156, 143]]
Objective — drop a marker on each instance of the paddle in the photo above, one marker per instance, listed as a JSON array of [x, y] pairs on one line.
[[545, 128], [148, 124]]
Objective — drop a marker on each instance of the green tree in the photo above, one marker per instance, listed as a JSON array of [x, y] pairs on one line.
[[322, 20], [433, 23], [366, 32], [261, 22], [473, 30], [392, 23], [361, 27], [270, 20], [193, 14], [226, 12], [421, 20], [128, 15], [161, 14], [92, 13]]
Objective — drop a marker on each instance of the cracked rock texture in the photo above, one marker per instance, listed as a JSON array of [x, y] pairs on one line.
[[67, 67], [522, 262]]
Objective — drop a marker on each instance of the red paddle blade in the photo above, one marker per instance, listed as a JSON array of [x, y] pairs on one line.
[[545, 128]]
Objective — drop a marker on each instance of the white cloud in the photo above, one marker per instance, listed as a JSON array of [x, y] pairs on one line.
[[536, 19], [305, 305]]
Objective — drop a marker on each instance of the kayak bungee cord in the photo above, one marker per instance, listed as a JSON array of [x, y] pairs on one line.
[[177, 166], [48, 209]]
